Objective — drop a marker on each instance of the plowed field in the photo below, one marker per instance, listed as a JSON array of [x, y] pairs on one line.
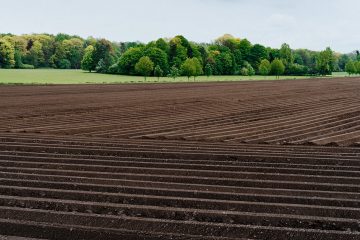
[[252, 160]]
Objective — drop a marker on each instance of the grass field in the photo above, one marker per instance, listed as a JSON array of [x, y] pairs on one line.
[[52, 76]]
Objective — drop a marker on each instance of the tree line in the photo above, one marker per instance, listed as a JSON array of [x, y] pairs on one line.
[[173, 57]]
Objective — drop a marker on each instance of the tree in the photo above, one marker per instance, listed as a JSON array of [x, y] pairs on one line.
[[127, 62], [228, 41], [163, 45], [357, 67], [208, 70], [297, 69], [158, 57], [325, 62], [7, 54], [174, 72], [265, 67], [247, 70], [179, 50], [350, 67], [101, 67], [36, 56], [198, 67], [277, 67], [103, 50], [244, 71], [257, 53], [158, 72], [18, 59], [74, 51], [144, 67], [286, 55], [245, 48], [225, 63], [188, 68], [87, 61], [343, 60], [64, 64]]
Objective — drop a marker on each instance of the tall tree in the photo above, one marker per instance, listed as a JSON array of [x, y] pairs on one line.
[[188, 68], [245, 48], [208, 70], [265, 67], [257, 53], [158, 57], [350, 67], [325, 62], [225, 63], [7, 54], [277, 67], [357, 67], [144, 67], [174, 72], [158, 72], [127, 62], [103, 50], [36, 56], [163, 45], [286, 55], [87, 62], [198, 67]]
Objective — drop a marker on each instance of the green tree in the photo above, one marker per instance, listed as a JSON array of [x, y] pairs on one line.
[[277, 67], [225, 63], [87, 62], [357, 67], [350, 67], [257, 53], [144, 67], [180, 50], [198, 67], [245, 48], [325, 62], [174, 72], [265, 67], [228, 41], [36, 56], [163, 45], [18, 59], [286, 55], [188, 68], [74, 51], [158, 72], [159, 57], [297, 69], [247, 69], [343, 60], [208, 70], [127, 62], [244, 71], [7, 54], [103, 50], [64, 64]]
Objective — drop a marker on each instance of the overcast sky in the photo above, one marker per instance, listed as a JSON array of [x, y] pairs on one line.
[[313, 24]]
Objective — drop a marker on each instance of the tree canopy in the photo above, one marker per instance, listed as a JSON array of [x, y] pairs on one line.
[[227, 55]]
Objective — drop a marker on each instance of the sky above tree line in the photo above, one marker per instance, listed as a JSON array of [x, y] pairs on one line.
[[312, 24]]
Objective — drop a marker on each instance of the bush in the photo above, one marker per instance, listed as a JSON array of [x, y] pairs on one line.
[[26, 66], [113, 69], [244, 71], [64, 64], [297, 69]]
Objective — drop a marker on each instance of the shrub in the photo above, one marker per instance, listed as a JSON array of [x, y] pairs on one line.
[[26, 66]]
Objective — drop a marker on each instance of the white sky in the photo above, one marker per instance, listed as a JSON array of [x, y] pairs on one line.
[[313, 24]]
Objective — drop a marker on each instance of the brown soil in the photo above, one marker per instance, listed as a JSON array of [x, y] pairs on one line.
[[251, 160]]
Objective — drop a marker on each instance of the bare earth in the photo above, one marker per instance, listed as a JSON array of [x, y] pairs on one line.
[[248, 160]]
